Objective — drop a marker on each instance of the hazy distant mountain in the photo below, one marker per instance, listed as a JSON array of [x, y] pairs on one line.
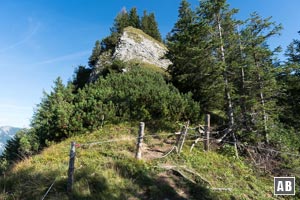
[[6, 133]]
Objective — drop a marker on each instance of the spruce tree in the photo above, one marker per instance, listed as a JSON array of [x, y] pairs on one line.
[[289, 79], [218, 19], [227, 70], [134, 19], [81, 76], [153, 28], [293, 51], [150, 26], [121, 21], [52, 119], [191, 54], [260, 71], [144, 21], [93, 59]]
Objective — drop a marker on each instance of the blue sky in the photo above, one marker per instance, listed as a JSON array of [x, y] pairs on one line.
[[43, 39]]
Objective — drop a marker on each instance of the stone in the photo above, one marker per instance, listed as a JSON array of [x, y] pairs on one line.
[[135, 45]]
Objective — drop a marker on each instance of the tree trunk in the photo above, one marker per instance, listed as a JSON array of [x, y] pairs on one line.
[[262, 101], [227, 92], [242, 99]]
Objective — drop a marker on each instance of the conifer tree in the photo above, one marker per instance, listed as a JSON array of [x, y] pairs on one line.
[[144, 21], [289, 79], [192, 69], [93, 59], [262, 87], [218, 17], [150, 26], [134, 19], [293, 51], [52, 119], [81, 76], [121, 21], [217, 64]]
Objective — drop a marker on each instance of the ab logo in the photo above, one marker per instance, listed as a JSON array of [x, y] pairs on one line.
[[284, 185]]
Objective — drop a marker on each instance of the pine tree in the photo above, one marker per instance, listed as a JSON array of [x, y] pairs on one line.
[[52, 119], [121, 21], [81, 77], [191, 54], [227, 70], [145, 21], [217, 16], [150, 26], [293, 51], [262, 86], [153, 28], [289, 79], [134, 19], [93, 59]]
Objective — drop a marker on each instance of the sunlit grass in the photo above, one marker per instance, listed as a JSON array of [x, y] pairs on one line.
[[109, 171]]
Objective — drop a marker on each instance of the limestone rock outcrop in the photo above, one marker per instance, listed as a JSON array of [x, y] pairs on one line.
[[135, 45]]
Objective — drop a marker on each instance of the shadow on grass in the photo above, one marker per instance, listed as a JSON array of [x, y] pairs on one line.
[[29, 184], [157, 188], [90, 185], [137, 181]]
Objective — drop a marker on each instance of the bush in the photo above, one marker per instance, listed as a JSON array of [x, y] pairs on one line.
[[23, 144], [140, 94]]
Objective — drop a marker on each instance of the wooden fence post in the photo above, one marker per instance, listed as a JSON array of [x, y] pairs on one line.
[[207, 132], [179, 137], [184, 135], [235, 146], [140, 138], [71, 168]]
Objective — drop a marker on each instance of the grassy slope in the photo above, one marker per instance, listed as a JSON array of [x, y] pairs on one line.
[[136, 34], [108, 171]]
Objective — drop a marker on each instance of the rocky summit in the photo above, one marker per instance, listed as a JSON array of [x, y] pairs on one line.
[[133, 46], [136, 45]]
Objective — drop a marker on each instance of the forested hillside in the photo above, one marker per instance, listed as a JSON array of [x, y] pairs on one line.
[[221, 66]]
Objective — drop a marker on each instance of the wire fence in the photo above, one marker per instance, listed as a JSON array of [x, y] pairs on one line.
[[211, 139], [45, 195], [201, 134]]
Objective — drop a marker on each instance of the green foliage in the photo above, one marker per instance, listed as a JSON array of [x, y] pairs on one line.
[[194, 66], [52, 119], [121, 21], [289, 78], [134, 19], [109, 171], [25, 143], [286, 138], [293, 51], [110, 42], [139, 94], [259, 90], [81, 77], [149, 26], [93, 59], [117, 66], [227, 150], [230, 72]]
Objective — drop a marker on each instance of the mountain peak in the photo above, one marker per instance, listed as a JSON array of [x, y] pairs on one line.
[[7, 128], [136, 45]]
